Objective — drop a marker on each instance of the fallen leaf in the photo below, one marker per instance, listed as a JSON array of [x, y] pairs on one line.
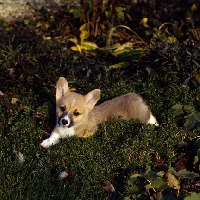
[[22, 108], [14, 100], [108, 187], [172, 181], [87, 134]]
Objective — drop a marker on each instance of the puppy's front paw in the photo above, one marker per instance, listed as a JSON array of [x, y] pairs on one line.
[[46, 143]]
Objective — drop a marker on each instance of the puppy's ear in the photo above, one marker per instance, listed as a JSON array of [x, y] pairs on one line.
[[61, 88], [91, 98]]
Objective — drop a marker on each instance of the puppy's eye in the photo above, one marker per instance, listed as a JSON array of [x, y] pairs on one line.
[[62, 108], [76, 113]]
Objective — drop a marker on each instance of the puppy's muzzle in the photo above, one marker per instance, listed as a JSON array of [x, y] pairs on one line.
[[66, 121]]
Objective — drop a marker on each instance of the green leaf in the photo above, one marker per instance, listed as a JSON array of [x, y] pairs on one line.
[[192, 121], [186, 174], [127, 198], [120, 15], [38, 24], [134, 189], [168, 196], [133, 179], [150, 174], [84, 34], [193, 196], [135, 176], [119, 65], [130, 18], [197, 160], [172, 171], [119, 9], [76, 12], [177, 109], [157, 23], [128, 54], [26, 21], [148, 186], [160, 174], [177, 31], [159, 184], [189, 17]]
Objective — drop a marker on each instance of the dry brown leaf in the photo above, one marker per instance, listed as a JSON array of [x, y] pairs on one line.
[[14, 100], [172, 181], [22, 108], [108, 187], [87, 134]]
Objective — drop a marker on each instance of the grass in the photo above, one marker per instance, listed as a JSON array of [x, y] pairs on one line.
[[118, 149]]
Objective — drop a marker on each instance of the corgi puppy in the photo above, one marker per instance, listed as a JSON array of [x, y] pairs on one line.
[[77, 114]]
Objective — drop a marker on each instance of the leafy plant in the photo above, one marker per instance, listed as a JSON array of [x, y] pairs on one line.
[[188, 114], [156, 185], [140, 185]]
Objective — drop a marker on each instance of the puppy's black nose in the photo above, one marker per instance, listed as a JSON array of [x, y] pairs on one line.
[[64, 121]]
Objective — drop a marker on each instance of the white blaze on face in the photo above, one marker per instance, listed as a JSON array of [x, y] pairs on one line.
[[73, 102]]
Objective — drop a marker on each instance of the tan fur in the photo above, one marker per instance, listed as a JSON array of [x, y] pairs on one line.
[[129, 106]]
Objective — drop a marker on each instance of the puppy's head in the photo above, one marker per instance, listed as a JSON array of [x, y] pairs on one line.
[[73, 108]]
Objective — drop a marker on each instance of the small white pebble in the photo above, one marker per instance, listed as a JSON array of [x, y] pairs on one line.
[[63, 175]]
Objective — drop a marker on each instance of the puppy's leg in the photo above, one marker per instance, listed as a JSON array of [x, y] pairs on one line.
[[57, 133], [53, 139]]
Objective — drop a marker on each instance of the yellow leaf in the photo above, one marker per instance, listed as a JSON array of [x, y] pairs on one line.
[[194, 7], [87, 134], [76, 48], [172, 39], [144, 20], [14, 100], [172, 181], [22, 107], [71, 10], [128, 44], [197, 77], [119, 48], [84, 34], [119, 65], [84, 26], [89, 45]]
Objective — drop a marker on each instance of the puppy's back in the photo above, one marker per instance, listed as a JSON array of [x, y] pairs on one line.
[[129, 106]]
